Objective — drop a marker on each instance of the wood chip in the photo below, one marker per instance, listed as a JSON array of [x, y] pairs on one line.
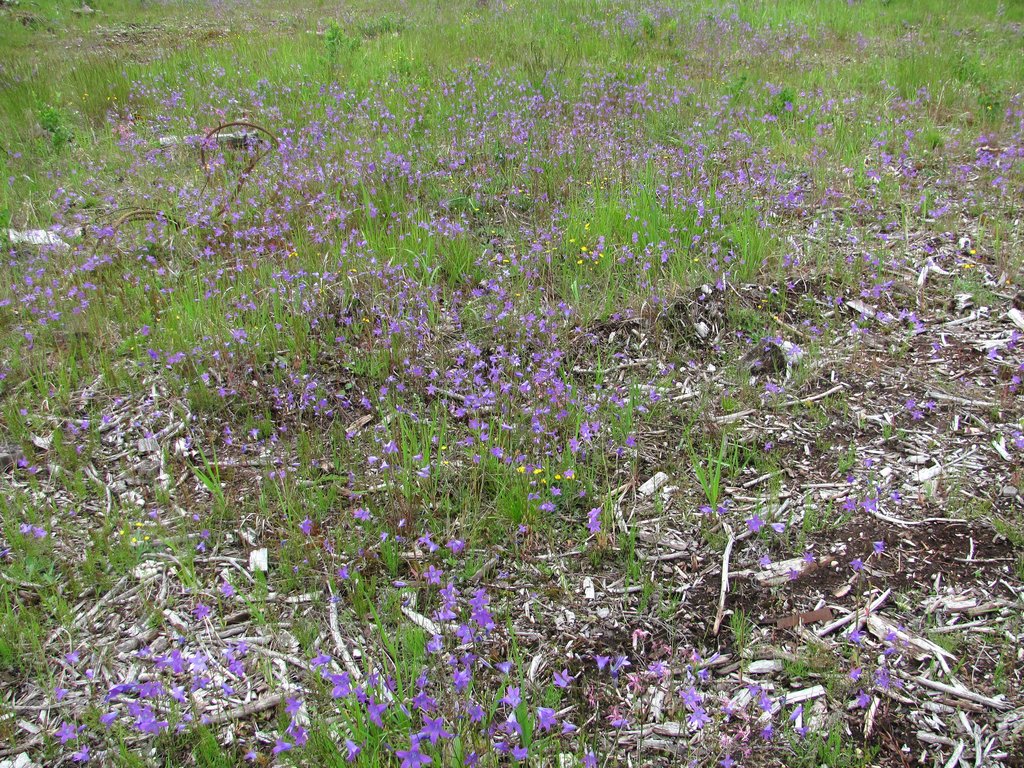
[[807, 617], [653, 484], [917, 646], [421, 621]]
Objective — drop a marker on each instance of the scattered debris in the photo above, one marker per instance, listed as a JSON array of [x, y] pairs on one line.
[[38, 237], [228, 139], [653, 484], [258, 560]]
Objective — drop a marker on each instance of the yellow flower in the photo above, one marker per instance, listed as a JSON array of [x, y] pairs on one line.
[[521, 470]]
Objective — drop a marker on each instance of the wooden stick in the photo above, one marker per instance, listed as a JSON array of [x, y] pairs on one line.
[[246, 710], [729, 418], [961, 693], [828, 629], [339, 642], [17, 749], [955, 757], [725, 578], [813, 398]]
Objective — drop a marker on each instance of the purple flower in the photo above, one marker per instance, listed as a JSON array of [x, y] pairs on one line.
[[594, 520], [33, 530], [423, 702], [691, 698], [306, 526], [879, 547], [755, 523], [563, 679], [882, 679], [546, 718], [352, 750], [590, 760], [374, 712], [456, 546], [82, 755], [857, 564], [201, 611], [620, 663], [511, 697], [412, 757], [433, 729], [618, 720], [281, 746], [698, 718], [320, 660], [66, 732], [461, 677]]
